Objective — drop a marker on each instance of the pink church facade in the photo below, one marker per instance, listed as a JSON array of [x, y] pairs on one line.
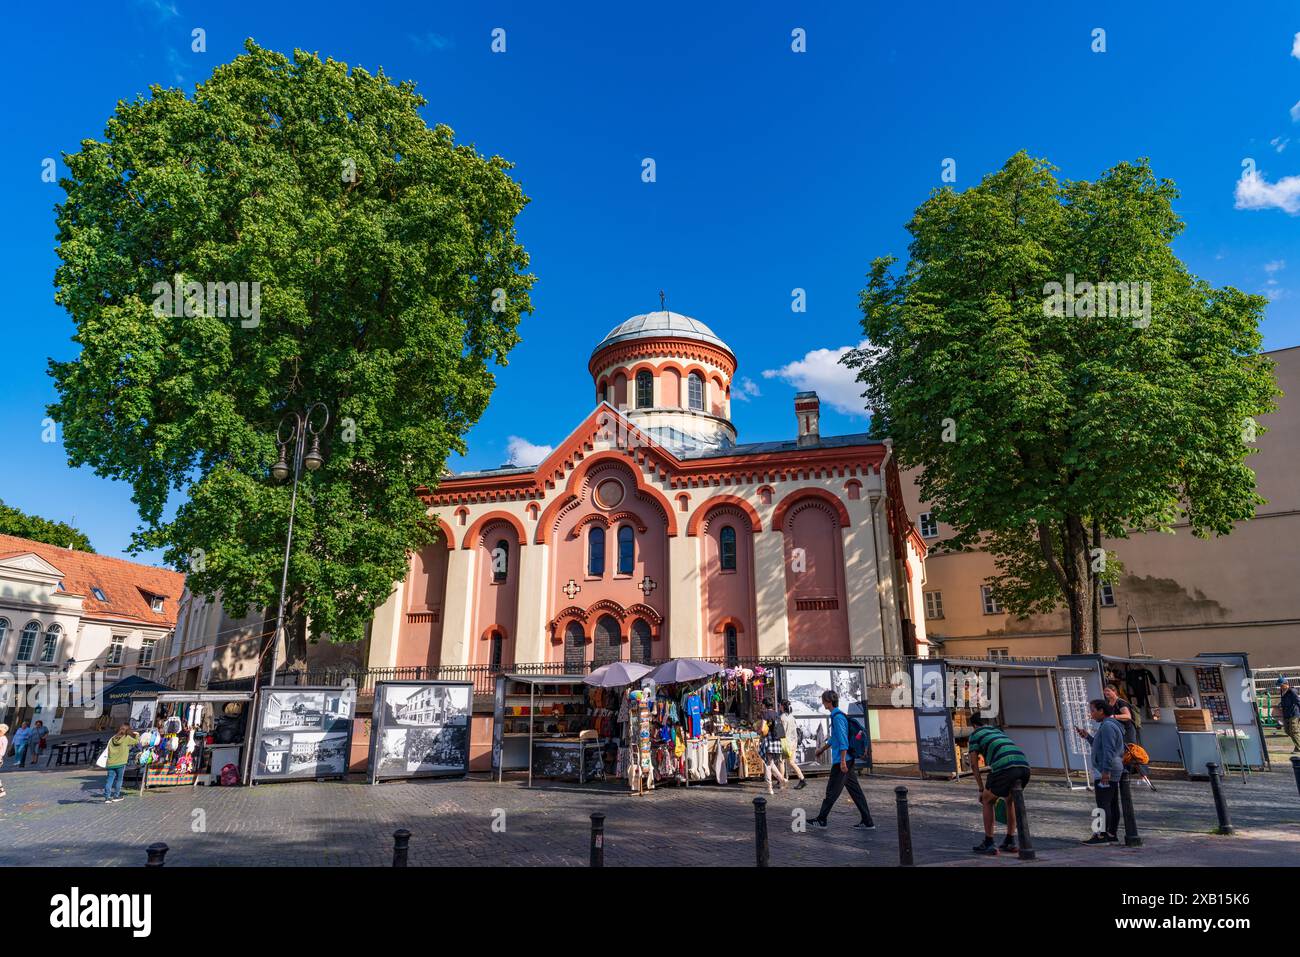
[[650, 533]]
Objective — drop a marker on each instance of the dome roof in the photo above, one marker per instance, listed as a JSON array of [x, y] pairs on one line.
[[658, 325]]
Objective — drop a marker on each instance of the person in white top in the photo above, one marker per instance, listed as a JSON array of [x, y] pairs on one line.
[[791, 728]]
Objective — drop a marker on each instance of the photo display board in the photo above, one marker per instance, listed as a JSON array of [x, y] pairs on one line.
[[936, 752], [303, 733], [803, 687], [420, 729]]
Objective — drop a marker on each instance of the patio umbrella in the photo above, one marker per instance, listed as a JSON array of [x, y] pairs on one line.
[[683, 669], [616, 674]]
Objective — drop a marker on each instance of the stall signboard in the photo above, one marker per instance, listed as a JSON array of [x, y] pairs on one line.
[[420, 729], [802, 686], [303, 733], [936, 751]]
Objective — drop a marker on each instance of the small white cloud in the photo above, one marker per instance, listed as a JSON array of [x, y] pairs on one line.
[[822, 372], [522, 452], [1279, 143], [1295, 112], [1277, 265], [745, 389], [1255, 192], [1295, 47], [431, 41]]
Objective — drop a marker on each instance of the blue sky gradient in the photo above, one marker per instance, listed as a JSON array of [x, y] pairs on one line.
[[776, 170]]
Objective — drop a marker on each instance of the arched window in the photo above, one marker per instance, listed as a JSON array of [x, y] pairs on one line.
[[608, 642], [4, 632], [727, 548], [51, 645], [27, 644], [642, 645], [695, 391], [501, 561], [626, 549], [645, 390], [596, 551], [733, 646], [574, 654], [497, 642]]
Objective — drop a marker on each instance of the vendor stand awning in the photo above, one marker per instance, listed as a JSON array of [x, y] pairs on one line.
[[120, 692]]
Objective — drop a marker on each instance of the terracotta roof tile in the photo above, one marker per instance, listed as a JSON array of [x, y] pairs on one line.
[[123, 583]]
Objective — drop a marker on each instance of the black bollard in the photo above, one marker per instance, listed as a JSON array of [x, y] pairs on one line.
[[1220, 804], [156, 853], [401, 844], [1131, 836], [904, 827], [761, 851], [1295, 766], [1027, 852], [597, 840]]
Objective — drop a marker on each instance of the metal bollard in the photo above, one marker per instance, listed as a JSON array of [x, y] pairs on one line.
[[1220, 804], [1131, 836], [597, 840], [155, 854], [401, 844], [904, 827], [1027, 852], [1295, 766], [762, 852]]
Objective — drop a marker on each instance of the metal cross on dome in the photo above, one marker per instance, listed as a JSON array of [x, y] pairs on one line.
[[571, 589], [648, 585]]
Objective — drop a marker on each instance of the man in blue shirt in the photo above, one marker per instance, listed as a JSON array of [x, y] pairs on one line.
[[843, 774]]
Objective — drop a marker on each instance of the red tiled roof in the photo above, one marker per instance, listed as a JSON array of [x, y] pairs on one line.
[[124, 584]]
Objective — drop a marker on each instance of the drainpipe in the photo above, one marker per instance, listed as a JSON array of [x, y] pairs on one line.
[[875, 540]]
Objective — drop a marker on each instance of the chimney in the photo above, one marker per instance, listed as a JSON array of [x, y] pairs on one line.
[[807, 409]]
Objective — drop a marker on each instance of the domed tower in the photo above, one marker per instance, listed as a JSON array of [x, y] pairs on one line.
[[671, 375]]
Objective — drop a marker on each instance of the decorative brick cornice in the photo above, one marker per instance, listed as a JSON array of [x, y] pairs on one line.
[[666, 347]]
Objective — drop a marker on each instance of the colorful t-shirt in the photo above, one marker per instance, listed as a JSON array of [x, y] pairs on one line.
[[694, 711], [997, 750]]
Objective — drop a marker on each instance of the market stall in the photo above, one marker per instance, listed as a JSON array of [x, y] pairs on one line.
[[189, 737], [544, 725]]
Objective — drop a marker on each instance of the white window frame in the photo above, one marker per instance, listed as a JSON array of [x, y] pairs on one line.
[[692, 400], [933, 605], [156, 603], [928, 526], [98, 593], [989, 603], [31, 633], [999, 654], [116, 651], [148, 648], [50, 652], [1107, 592]]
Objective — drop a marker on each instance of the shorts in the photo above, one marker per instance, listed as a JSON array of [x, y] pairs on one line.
[[1000, 781]]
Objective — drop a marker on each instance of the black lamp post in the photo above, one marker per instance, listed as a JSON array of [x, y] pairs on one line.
[[294, 430]]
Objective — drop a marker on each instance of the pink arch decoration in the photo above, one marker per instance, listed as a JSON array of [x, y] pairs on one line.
[[483, 521], [717, 501], [794, 498], [547, 520]]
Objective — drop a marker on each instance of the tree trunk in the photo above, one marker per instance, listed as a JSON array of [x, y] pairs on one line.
[[1065, 550], [295, 634]]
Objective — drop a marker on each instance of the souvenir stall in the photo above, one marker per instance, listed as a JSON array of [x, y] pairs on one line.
[[545, 725], [189, 737], [1189, 711]]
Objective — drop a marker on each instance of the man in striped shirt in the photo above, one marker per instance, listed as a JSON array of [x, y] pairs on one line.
[[1006, 764]]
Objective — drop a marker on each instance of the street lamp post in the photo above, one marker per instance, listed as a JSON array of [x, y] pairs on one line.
[[300, 426]]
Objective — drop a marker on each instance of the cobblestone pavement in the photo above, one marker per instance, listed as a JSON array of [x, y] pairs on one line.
[[58, 818]]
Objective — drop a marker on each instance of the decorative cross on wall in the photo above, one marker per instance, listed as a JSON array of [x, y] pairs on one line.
[[648, 585], [571, 589]]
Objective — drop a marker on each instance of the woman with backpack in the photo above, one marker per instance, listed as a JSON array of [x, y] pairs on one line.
[[773, 746]]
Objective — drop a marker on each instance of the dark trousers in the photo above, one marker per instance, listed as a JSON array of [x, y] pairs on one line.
[[839, 780], [1108, 800]]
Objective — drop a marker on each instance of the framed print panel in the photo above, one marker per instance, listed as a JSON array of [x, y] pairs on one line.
[[420, 729]]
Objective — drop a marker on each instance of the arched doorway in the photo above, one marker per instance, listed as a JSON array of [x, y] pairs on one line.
[[575, 655], [731, 643], [607, 640], [642, 642]]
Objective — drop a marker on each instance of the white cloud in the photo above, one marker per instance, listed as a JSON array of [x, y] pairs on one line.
[[1277, 265], [1279, 143], [523, 452], [1255, 192], [821, 371], [430, 42], [745, 389], [1295, 47], [1295, 112]]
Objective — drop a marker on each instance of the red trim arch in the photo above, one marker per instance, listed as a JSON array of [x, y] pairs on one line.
[[483, 521], [444, 532], [732, 620], [545, 531], [608, 521], [799, 495], [487, 633], [717, 501], [560, 623]]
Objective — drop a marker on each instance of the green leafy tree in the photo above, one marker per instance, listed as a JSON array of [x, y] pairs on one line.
[[1045, 414], [388, 279], [14, 521]]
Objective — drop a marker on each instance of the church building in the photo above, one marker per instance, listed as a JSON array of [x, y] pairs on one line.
[[650, 533]]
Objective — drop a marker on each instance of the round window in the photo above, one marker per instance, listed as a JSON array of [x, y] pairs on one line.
[[609, 493]]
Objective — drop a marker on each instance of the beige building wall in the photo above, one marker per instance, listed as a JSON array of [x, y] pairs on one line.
[[1239, 593]]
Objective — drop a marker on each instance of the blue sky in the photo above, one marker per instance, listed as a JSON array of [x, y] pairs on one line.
[[775, 170]]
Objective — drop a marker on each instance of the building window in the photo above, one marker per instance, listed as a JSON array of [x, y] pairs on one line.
[[929, 527], [115, 650], [596, 551], [497, 643], [99, 595], [51, 644], [645, 390], [626, 549], [574, 655], [1000, 653], [501, 561], [642, 643], [147, 648], [608, 642], [991, 605], [157, 605], [934, 604], [732, 645], [1107, 596], [695, 391], [27, 644], [727, 548], [4, 632]]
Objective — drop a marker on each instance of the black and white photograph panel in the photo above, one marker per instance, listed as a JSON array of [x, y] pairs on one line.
[[337, 709], [934, 741], [847, 683], [392, 752], [433, 750], [804, 687], [142, 713], [318, 754], [294, 711], [422, 706], [813, 733]]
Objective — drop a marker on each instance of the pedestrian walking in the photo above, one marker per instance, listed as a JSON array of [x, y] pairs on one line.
[[1108, 764], [36, 742], [20, 742], [4, 748], [1290, 703], [119, 750], [843, 773], [772, 746], [1006, 765], [1135, 756], [790, 742]]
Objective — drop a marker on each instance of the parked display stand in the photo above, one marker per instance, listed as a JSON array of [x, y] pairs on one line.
[[541, 725], [189, 737], [303, 733], [420, 729]]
